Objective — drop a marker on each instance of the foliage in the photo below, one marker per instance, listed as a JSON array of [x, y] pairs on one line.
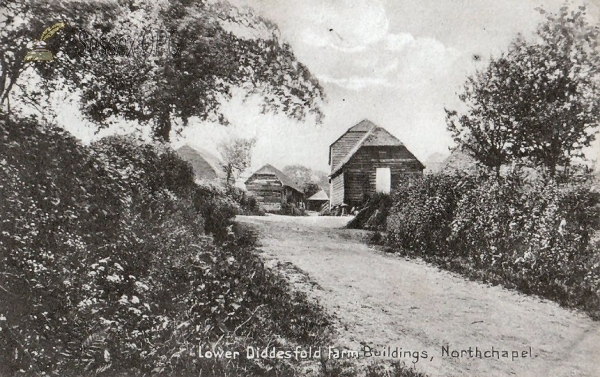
[[158, 63], [374, 214], [486, 131], [533, 235], [106, 268], [311, 181], [290, 209], [310, 189], [538, 101], [237, 157], [336, 368], [23, 21], [219, 205], [422, 211], [396, 369], [558, 77]]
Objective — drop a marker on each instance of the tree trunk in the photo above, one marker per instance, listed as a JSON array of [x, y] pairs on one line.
[[162, 127], [228, 179]]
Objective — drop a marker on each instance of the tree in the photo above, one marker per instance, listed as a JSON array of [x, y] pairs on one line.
[[156, 63], [310, 189], [311, 181], [538, 101], [237, 157], [18, 22], [557, 84], [487, 129]]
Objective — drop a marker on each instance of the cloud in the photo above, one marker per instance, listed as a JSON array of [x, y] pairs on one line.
[[426, 59], [355, 83], [350, 44], [398, 60], [398, 42], [343, 25]]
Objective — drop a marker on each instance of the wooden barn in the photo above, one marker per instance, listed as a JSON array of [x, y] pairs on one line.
[[272, 188], [315, 202], [207, 167], [367, 159]]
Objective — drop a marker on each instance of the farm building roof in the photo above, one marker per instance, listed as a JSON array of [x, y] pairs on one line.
[[281, 176], [375, 137], [363, 125], [321, 195], [204, 163], [360, 128]]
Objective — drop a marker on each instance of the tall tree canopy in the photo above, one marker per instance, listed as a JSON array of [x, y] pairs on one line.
[[310, 180], [487, 129], [237, 157], [538, 101], [187, 58]]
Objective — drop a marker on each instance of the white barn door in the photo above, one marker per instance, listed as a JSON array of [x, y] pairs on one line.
[[383, 180]]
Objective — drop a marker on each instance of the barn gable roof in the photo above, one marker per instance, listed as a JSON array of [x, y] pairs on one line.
[[346, 142], [363, 125], [281, 176], [321, 195], [375, 137], [204, 163]]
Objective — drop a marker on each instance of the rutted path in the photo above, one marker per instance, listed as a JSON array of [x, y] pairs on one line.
[[384, 300]]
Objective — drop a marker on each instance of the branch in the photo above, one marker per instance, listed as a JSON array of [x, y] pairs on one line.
[[249, 318]]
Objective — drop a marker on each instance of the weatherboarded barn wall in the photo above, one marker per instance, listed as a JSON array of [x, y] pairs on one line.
[[337, 190], [345, 143], [358, 155], [267, 190], [360, 171], [272, 188]]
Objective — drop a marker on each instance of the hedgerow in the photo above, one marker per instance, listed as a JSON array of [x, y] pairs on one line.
[[534, 235], [422, 212], [113, 262]]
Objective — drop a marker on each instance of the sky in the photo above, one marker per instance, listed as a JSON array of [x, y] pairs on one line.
[[398, 63]]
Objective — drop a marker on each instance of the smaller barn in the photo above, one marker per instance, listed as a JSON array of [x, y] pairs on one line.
[[272, 188], [206, 166], [315, 202]]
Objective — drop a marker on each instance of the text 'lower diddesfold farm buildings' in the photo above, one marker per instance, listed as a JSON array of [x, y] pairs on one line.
[[367, 159]]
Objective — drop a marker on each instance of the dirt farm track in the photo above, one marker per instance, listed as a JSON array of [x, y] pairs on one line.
[[384, 300]]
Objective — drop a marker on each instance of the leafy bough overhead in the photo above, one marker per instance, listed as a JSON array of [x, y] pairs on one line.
[[217, 48]]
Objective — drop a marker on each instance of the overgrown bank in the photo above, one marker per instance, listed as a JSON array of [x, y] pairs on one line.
[[113, 262], [538, 236]]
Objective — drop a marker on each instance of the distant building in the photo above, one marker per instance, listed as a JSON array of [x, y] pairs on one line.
[[207, 167], [459, 161], [315, 202], [434, 162], [367, 159], [272, 188]]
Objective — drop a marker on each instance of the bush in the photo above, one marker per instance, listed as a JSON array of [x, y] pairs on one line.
[[290, 209], [107, 265], [247, 203], [217, 208], [422, 212], [374, 213], [535, 235]]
